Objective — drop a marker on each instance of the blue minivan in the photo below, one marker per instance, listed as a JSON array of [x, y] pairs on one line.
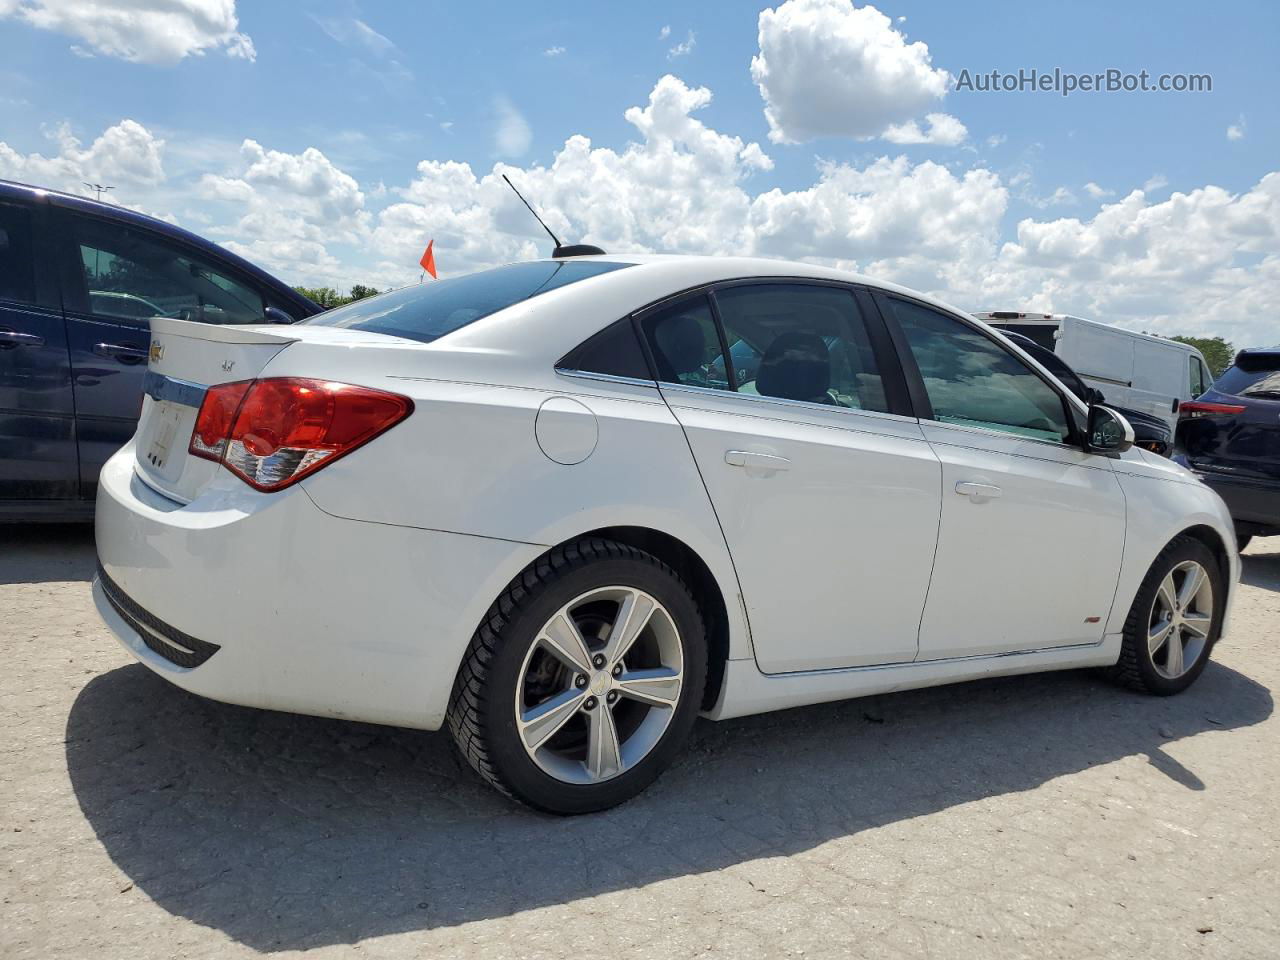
[[79, 283]]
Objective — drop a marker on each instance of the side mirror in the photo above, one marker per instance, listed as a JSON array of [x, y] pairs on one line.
[[276, 315], [1108, 431], [1095, 397]]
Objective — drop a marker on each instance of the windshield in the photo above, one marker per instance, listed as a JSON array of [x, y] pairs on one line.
[[428, 311]]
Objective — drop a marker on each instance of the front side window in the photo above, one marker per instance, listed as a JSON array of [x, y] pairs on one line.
[[972, 381], [17, 262], [132, 277], [800, 342], [1200, 379]]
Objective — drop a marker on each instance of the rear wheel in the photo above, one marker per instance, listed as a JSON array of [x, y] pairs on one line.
[[1174, 621], [583, 681]]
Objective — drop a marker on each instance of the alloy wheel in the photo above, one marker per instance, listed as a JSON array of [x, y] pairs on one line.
[[599, 685], [1181, 620]]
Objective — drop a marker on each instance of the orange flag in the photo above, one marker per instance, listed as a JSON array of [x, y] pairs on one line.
[[428, 260]]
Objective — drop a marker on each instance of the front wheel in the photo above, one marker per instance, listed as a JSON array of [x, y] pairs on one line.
[[583, 681], [1174, 621]]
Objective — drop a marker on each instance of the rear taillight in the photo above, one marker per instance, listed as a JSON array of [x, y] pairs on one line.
[[274, 432], [1192, 409]]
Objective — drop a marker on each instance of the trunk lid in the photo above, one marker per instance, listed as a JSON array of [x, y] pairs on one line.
[[185, 360]]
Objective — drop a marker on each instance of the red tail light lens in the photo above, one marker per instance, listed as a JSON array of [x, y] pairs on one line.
[[1192, 409], [217, 415], [276, 431]]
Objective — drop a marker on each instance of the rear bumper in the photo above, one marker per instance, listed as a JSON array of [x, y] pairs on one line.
[[1254, 504], [290, 608]]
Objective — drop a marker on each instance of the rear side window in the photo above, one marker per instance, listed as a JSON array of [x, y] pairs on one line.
[[972, 381], [686, 345], [1253, 375], [800, 342], [428, 311], [17, 265], [614, 351]]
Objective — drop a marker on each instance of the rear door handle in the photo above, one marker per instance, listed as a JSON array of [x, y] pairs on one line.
[[978, 492], [124, 352], [763, 462], [13, 338]]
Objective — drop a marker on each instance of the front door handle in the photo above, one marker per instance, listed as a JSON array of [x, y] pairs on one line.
[[13, 338], [978, 492], [765, 463], [124, 352]]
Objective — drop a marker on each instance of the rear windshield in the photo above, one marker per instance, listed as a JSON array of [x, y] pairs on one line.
[[1254, 375], [1041, 334], [428, 311]]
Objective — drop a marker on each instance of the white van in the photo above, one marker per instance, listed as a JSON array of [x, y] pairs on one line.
[[1131, 369]]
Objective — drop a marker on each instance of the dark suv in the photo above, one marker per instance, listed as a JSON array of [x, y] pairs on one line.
[[1230, 437], [79, 283]]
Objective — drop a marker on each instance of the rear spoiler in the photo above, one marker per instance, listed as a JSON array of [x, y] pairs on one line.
[[218, 333]]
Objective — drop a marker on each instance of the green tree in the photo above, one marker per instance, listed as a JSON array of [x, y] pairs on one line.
[[329, 298], [1218, 352]]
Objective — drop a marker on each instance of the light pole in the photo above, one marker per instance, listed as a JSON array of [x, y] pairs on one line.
[[97, 187]]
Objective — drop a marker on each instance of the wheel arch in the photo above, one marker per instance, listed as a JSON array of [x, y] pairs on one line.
[[697, 574], [1212, 539]]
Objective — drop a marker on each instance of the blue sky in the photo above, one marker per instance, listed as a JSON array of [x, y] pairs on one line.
[[1022, 199]]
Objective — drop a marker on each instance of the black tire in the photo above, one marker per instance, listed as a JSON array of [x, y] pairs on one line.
[[1243, 540], [481, 717], [1136, 668]]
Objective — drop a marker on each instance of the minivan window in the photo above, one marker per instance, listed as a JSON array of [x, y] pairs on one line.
[[131, 276], [428, 311], [972, 381], [17, 263]]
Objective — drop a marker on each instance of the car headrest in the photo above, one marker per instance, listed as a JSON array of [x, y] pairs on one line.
[[797, 366], [682, 344]]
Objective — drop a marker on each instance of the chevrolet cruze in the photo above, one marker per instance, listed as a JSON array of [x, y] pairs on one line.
[[539, 506]]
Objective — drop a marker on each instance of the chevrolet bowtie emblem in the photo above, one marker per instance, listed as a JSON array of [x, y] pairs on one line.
[[157, 351]]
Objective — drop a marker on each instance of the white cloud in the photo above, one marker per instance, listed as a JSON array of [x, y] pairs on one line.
[[1097, 192], [553, 51], [125, 155], [511, 136], [829, 69], [353, 32], [1203, 262], [944, 130], [684, 47], [141, 31], [664, 32], [286, 211], [996, 139], [1060, 197], [1155, 182], [1236, 130]]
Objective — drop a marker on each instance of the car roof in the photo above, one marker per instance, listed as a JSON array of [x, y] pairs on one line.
[[12, 190]]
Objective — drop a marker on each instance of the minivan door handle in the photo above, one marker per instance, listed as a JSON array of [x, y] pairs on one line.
[[978, 492], [14, 338], [764, 463], [124, 352]]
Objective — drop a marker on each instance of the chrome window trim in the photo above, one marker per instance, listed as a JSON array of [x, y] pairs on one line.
[[666, 386], [605, 377]]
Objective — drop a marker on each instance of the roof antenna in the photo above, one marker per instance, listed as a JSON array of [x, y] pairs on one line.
[[560, 251]]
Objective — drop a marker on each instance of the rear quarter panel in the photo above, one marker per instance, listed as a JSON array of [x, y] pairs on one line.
[[468, 460]]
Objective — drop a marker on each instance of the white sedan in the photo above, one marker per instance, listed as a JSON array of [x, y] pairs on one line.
[[565, 506]]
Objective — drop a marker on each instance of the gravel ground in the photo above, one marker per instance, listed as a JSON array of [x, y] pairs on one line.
[[1046, 816]]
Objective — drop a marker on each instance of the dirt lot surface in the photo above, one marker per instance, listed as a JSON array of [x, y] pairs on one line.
[[1046, 816]]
